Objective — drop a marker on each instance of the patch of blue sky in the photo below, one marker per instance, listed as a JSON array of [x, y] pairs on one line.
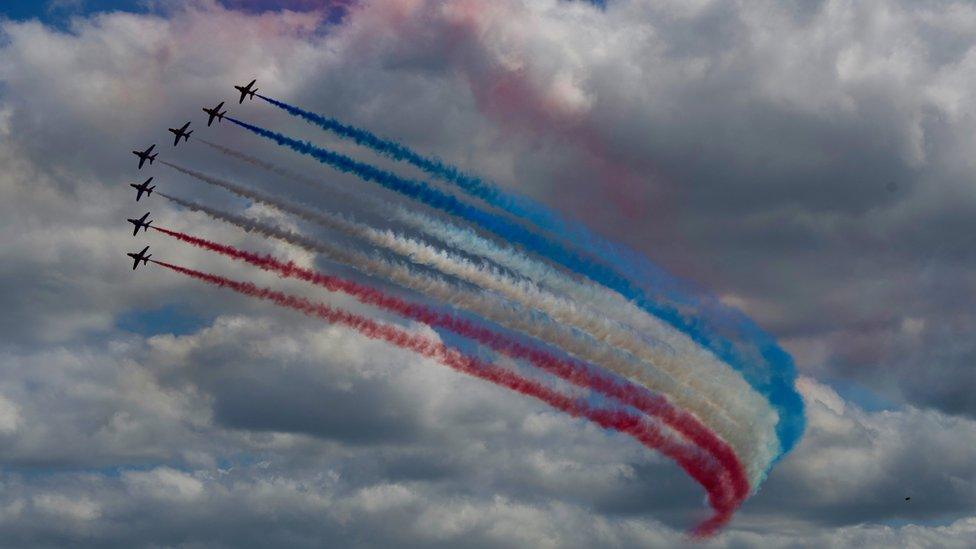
[[172, 319], [59, 12], [861, 396]]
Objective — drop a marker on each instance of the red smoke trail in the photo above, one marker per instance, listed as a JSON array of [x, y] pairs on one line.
[[609, 418], [572, 371]]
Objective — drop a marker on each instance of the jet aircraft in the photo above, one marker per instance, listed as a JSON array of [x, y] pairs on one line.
[[140, 223], [144, 188], [144, 155], [141, 256], [246, 90], [214, 113], [181, 133]]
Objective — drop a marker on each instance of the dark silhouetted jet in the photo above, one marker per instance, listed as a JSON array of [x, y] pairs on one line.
[[181, 133], [909, 498], [141, 256], [214, 113], [144, 155], [246, 90], [140, 223], [144, 188]]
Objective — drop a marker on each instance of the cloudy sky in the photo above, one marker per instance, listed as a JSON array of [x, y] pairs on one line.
[[810, 162]]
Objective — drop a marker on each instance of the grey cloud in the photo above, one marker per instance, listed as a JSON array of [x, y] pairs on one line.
[[767, 149], [812, 164]]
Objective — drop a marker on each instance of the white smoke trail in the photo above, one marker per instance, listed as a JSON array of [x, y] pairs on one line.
[[746, 440], [698, 367], [523, 293], [674, 371], [340, 192], [696, 363]]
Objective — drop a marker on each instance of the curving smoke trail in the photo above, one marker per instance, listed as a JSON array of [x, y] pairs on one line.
[[699, 363], [712, 381], [715, 393], [572, 371], [726, 327], [606, 301], [617, 419], [651, 277], [765, 366], [747, 445]]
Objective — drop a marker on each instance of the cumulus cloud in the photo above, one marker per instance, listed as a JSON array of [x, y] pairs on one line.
[[812, 161], [797, 157], [164, 483]]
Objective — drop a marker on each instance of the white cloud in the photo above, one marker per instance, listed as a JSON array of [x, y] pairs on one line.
[[9, 416], [62, 507], [764, 124], [165, 483]]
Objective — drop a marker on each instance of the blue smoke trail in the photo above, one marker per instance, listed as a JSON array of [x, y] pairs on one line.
[[775, 382], [517, 205], [656, 281]]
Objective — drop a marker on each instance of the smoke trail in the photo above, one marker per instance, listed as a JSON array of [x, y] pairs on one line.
[[700, 364], [472, 185], [288, 174], [422, 253], [572, 371], [718, 316], [606, 301], [341, 193], [752, 451], [373, 204], [365, 138], [709, 379], [513, 203], [773, 376], [615, 419]]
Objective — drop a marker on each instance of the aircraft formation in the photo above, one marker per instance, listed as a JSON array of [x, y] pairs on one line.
[[183, 132]]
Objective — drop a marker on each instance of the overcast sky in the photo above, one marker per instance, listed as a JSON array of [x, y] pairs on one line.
[[812, 162]]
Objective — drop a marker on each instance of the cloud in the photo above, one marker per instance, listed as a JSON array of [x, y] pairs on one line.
[[61, 507], [857, 467], [9, 416], [798, 159], [755, 146], [164, 483]]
